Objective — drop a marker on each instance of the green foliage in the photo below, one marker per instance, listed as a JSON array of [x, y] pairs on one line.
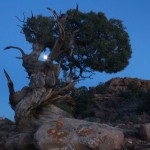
[[84, 101], [64, 106], [133, 91], [81, 91], [144, 102], [9, 122], [134, 88], [138, 95], [41, 29], [102, 88], [101, 44]]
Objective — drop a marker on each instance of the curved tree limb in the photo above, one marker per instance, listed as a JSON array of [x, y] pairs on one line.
[[15, 47]]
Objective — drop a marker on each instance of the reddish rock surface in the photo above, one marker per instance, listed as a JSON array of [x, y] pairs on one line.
[[117, 84], [73, 134]]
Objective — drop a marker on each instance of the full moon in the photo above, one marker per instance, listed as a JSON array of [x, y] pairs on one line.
[[45, 57]]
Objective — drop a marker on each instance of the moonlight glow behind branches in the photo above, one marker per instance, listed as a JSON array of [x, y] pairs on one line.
[[45, 57]]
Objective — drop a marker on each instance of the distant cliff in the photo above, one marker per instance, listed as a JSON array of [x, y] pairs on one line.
[[112, 88], [117, 84], [117, 100]]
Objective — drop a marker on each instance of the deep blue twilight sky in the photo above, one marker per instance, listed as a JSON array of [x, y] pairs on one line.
[[134, 14]]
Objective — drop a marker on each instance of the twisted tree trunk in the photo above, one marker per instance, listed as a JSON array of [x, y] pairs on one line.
[[39, 124], [32, 104]]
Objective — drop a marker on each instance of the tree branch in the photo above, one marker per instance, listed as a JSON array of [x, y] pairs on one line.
[[24, 18], [15, 47], [75, 13], [56, 50], [11, 89]]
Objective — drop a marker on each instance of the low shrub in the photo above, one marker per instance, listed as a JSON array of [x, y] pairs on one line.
[[144, 102], [133, 91], [84, 102], [102, 88], [66, 107]]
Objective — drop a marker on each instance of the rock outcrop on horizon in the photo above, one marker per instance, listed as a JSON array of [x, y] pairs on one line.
[[117, 84], [123, 103]]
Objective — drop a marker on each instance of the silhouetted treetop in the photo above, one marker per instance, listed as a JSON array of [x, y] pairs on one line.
[[79, 44], [92, 42]]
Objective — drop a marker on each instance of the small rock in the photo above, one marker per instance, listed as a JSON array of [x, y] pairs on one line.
[[129, 141]]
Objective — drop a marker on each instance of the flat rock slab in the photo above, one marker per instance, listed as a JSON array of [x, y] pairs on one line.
[[73, 134]]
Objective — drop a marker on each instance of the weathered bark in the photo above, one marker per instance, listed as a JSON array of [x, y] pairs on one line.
[[33, 104]]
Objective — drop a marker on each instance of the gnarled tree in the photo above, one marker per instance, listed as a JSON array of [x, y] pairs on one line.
[[79, 44]]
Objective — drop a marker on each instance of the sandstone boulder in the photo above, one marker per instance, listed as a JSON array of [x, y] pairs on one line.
[[55, 112], [73, 134], [145, 131]]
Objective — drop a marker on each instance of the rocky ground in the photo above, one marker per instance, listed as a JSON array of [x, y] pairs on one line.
[[123, 103], [6, 126], [118, 103]]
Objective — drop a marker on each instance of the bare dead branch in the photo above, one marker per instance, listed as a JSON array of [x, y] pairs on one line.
[[32, 14], [24, 18], [53, 12], [20, 26], [72, 41], [18, 48], [74, 14], [84, 77], [76, 11], [11, 89], [67, 88], [19, 57], [7, 76], [56, 50], [49, 94], [56, 98], [58, 19], [58, 69]]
